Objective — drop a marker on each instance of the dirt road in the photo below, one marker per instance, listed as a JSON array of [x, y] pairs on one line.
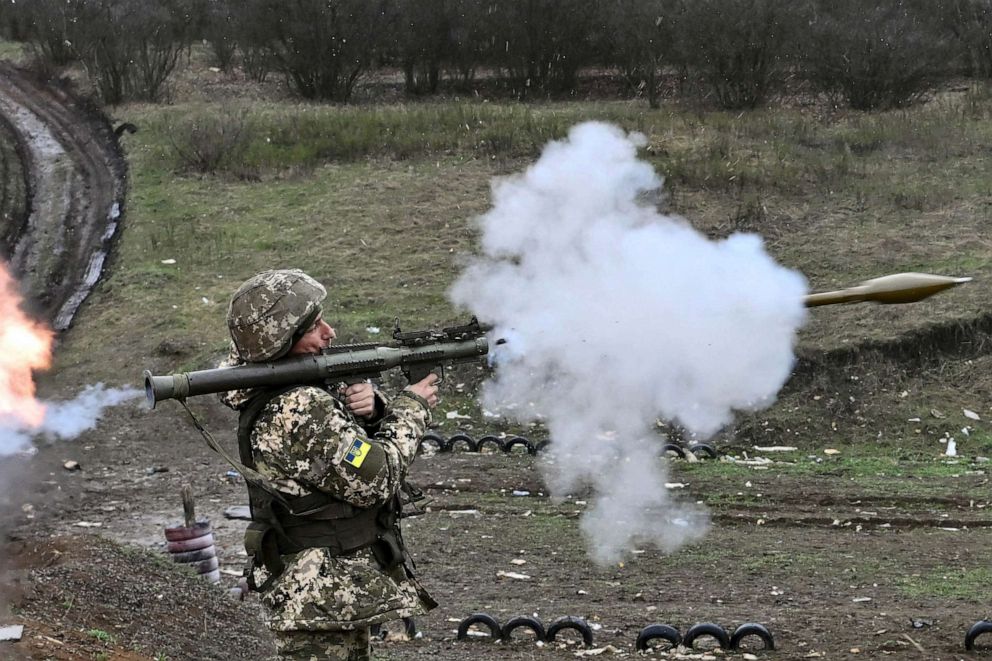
[[76, 182]]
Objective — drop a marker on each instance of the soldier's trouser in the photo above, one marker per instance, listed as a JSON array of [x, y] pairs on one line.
[[323, 645]]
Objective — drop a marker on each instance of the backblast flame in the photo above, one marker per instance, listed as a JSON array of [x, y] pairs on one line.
[[25, 346]]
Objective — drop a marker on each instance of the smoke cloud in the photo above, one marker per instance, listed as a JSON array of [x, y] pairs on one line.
[[617, 315], [63, 420]]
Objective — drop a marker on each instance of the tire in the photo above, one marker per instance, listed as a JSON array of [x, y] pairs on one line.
[[205, 566], [194, 544], [519, 440], [211, 577], [672, 447], [570, 622], [976, 630], [194, 556], [702, 450], [543, 445], [706, 629], [433, 438], [479, 618], [655, 631], [409, 628], [182, 533], [526, 622], [752, 629], [486, 441], [468, 441]]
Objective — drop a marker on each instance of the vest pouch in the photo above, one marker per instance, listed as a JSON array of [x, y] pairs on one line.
[[387, 551], [262, 547]]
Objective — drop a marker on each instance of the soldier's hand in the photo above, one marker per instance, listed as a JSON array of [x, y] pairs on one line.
[[426, 388], [360, 398]]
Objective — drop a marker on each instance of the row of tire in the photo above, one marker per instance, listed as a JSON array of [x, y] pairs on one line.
[[648, 634], [464, 442], [505, 632]]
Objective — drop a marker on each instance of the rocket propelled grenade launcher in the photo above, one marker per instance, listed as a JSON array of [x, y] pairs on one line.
[[889, 289], [416, 353]]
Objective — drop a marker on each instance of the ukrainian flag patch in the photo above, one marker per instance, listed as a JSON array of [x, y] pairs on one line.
[[356, 453]]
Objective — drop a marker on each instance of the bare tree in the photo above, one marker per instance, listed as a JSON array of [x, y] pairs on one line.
[[128, 47], [738, 46], [970, 21], [638, 37], [542, 44], [45, 25], [876, 55], [322, 46], [220, 30], [422, 30]]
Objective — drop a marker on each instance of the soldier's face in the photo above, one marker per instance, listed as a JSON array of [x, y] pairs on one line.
[[318, 337]]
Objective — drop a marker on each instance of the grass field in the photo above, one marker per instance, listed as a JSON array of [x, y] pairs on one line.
[[379, 201]]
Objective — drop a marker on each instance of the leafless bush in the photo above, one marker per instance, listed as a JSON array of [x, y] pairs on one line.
[[638, 42], [421, 33], [128, 47], [209, 142], [970, 21], [542, 44], [876, 55], [220, 28], [322, 46], [739, 47], [45, 25]]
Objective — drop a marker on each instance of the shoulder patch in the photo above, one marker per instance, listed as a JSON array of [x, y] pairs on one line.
[[357, 453]]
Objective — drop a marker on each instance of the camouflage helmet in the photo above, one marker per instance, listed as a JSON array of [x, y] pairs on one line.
[[272, 310]]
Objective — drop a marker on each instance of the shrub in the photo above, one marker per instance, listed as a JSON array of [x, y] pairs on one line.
[[638, 38], [738, 46], [322, 46], [211, 142], [875, 55], [542, 44], [44, 24], [970, 21]]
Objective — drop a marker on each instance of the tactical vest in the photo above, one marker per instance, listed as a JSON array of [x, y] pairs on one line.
[[283, 525]]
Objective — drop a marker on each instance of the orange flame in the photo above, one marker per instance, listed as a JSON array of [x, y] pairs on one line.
[[25, 345]]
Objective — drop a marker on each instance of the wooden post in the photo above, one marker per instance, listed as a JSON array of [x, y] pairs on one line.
[[188, 506]]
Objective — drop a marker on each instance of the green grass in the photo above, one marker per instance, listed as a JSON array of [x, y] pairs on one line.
[[101, 635], [949, 582], [11, 51], [863, 467]]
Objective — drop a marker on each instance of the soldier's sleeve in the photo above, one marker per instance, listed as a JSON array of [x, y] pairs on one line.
[[309, 436]]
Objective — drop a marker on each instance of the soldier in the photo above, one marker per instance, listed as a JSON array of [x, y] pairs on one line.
[[325, 549]]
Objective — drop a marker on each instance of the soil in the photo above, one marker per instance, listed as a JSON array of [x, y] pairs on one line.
[[836, 566]]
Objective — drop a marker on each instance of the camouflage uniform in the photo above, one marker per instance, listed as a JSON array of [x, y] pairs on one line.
[[304, 440]]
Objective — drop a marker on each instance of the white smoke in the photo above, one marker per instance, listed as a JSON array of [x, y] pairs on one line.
[[616, 315], [63, 420]]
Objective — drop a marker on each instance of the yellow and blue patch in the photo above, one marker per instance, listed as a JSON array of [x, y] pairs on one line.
[[357, 453]]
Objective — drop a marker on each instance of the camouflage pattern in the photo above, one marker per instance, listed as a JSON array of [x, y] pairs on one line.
[[268, 310], [300, 440], [323, 646]]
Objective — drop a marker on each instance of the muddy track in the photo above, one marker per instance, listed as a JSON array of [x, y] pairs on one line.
[[75, 180]]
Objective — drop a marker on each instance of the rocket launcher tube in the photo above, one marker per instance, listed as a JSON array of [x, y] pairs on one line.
[[346, 363]]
